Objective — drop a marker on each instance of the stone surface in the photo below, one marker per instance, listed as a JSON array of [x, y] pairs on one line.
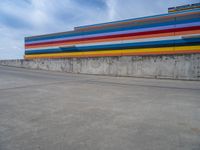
[[42, 110], [170, 66]]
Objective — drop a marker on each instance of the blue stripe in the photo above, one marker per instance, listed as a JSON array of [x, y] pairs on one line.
[[119, 29], [117, 46]]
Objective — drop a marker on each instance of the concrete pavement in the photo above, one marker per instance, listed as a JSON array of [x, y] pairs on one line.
[[59, 111]]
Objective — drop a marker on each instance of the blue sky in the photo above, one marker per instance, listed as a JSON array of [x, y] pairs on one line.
[[20, 18]]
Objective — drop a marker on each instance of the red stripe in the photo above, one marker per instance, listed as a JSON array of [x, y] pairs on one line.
[[119, 35]]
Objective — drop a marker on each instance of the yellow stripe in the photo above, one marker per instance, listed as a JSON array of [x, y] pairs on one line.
[[116, 52]]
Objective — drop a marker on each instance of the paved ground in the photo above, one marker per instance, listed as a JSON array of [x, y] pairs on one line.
[[59, 111]]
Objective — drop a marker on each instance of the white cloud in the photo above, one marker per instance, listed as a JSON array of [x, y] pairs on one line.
[[112, 7]]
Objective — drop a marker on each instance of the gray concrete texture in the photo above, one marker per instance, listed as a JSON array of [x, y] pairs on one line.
[[42, 110], [185, 67]]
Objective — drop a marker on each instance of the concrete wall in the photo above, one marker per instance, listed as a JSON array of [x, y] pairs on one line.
[[169, 66]]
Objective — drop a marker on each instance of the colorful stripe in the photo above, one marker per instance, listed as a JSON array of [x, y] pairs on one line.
[[118, 35], [118, 32], [176, 33], [160, 43], [124, 52], [141, 28]]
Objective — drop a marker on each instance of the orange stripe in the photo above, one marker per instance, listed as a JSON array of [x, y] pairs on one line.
[[161, 53], [187, 32]]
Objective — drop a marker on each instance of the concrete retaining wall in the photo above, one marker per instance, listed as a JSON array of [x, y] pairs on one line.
[[171, 66]]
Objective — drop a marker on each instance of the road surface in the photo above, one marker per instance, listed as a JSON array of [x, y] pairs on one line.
[[42, 110]]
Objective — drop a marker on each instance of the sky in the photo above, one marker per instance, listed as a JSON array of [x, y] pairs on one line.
[[21, 18]]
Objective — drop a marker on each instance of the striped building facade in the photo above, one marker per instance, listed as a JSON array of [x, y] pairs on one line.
[[172, 33]]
